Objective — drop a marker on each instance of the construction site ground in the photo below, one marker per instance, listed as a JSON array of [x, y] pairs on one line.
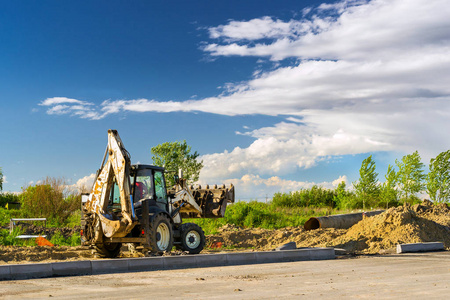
[[403, 276], [373, 235]]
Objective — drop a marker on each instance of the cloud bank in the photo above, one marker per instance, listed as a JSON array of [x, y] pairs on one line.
[[366, 76]]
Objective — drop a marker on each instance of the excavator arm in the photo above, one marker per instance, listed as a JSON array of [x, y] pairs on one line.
[[115, 170]]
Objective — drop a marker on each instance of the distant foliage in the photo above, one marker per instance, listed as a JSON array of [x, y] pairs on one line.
[[388, 191], [50, 199], [438, 183], [316, 196], [366, 187], [411, 177], [8, 198]]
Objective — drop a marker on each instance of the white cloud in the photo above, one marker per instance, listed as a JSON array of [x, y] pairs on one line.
[[74, 107], [85, 183], [255, 187], [61, 100], [339, 180], [350, 30], [255, 29], [371, 76]]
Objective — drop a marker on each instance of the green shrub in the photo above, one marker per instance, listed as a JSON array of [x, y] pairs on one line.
[[262, 215], [58, 239], [50, 199], [316, 196], [9, 239], [7, 214]]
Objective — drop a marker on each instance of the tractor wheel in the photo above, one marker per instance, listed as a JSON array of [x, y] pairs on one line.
[[192, 238], [161, 235], [108, 250]]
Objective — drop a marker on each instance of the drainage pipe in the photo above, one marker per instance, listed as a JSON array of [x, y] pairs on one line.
[[338, 221]]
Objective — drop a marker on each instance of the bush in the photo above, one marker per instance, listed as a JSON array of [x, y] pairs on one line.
[[9, 239], [50, 199], [58, 239], [8, 198], [258, 214], [7, 214], [316, 196]]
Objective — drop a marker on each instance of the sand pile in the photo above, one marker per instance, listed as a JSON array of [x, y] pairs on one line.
[[235, 237], [379, 234], [16, 254], [400, 225]]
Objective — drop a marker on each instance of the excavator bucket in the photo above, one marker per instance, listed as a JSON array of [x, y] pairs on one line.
[[212, 199]]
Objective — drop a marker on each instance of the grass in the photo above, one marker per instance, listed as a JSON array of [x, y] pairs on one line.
[[262, 215], [10, 239], [6, 215]]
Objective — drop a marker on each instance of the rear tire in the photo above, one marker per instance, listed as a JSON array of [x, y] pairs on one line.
[[108, 250], [161, 234], [192, 238]]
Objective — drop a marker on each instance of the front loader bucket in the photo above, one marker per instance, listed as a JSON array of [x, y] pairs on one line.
[[212, 199]]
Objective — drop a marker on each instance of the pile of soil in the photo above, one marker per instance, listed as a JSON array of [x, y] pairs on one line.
[[399, 225], [235, 237], [16, 254], [420, 223]]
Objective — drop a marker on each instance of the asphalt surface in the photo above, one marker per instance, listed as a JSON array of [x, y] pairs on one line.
[[401, 276]]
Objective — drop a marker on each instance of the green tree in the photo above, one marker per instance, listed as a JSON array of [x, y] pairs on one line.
[[367, 187], [177, 155], [340, 195], [411, 177], [388, 191], [438, 183]]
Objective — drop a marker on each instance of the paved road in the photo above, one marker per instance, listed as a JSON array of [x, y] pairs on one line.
[[405, 276]]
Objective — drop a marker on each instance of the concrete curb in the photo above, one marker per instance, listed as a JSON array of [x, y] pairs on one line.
[[420, 247], [104, 266]]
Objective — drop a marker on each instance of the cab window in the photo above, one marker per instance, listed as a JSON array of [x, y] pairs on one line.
[[114, 197], [143, 185], [160, 187]]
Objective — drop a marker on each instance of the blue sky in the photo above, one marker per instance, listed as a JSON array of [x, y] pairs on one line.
[[275, 95]]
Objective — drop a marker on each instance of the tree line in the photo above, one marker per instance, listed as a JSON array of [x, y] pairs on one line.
[[403, 182]]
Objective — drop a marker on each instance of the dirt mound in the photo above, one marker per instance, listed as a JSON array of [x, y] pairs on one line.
[[400, 225], [420, 223], [231, 236], [16, 254]]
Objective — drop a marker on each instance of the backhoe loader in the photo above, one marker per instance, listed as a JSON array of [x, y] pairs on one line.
[[131, 204]]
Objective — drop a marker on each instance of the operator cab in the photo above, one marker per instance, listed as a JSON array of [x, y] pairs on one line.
[[148, 183]]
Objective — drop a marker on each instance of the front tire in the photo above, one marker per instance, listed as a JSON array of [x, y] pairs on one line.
[[161, 235], [192, 238]]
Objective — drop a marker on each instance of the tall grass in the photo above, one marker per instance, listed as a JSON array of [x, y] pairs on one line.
[[316, 196], [7, 214], [262, 215]]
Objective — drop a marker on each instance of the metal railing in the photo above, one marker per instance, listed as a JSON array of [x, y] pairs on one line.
[[12, 223]]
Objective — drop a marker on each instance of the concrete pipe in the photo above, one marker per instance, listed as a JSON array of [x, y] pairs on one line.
[[338, 221]]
